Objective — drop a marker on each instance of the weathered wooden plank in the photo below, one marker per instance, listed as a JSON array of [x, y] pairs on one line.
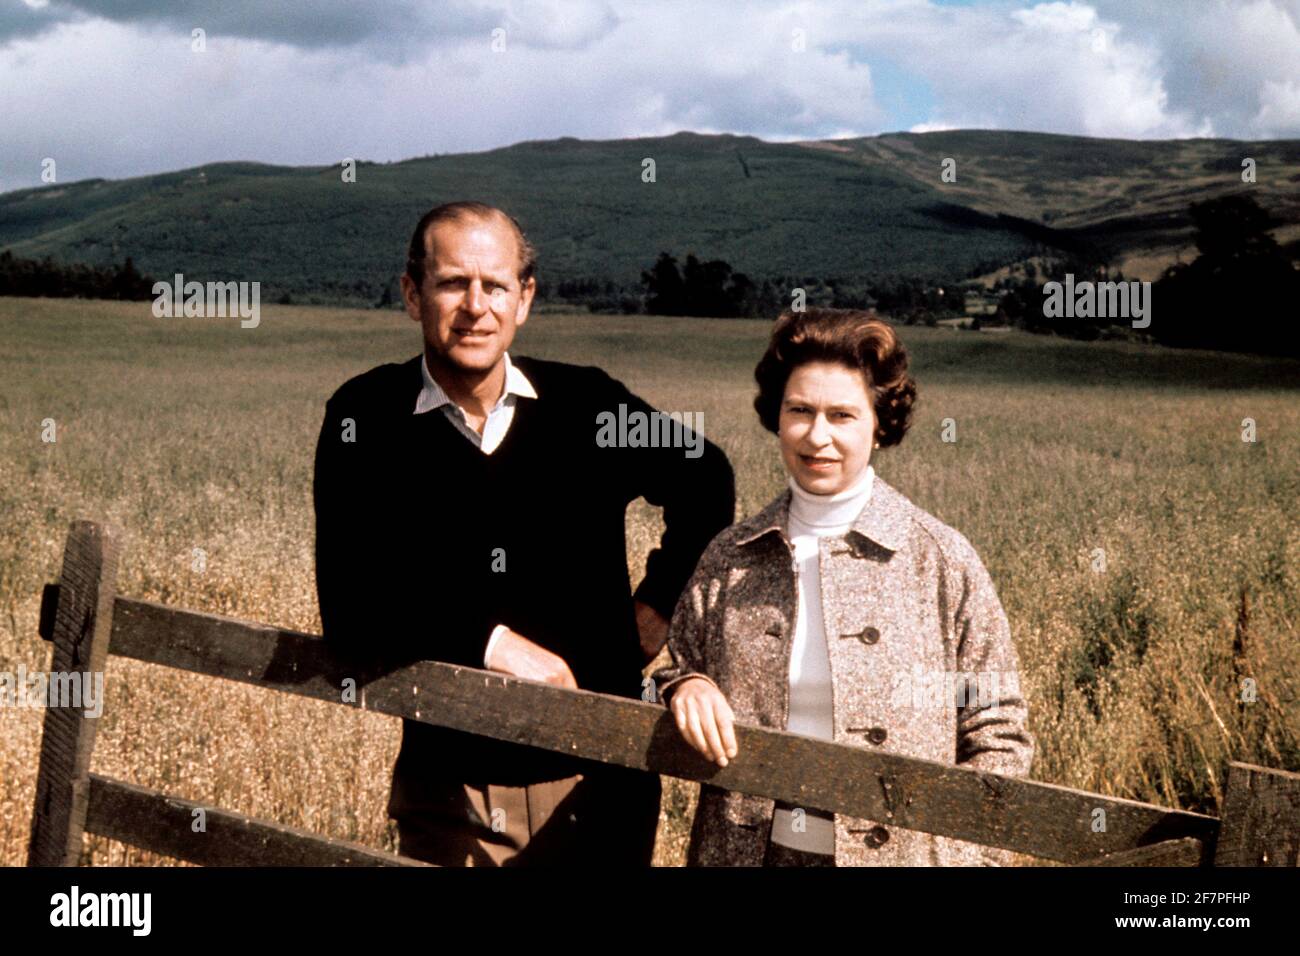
[[1261, 818], [1184, 852], [82, 620], [166, 824], [1039, 819]]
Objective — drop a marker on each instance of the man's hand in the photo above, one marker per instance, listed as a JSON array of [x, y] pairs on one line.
[[653, 629], [516, 655]]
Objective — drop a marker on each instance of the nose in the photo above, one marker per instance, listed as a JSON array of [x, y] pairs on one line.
[[820, 432], [476, 301]]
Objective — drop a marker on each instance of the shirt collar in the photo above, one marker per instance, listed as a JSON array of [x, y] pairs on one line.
[[883, 521], [432, 395]]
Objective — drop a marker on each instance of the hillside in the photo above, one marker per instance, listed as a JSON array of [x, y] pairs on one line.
[[862, 208]]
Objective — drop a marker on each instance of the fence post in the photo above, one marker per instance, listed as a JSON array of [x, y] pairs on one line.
[[1261, 818], [83, 621]]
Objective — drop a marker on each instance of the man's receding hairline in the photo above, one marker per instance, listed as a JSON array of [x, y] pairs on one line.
[[462, 216]]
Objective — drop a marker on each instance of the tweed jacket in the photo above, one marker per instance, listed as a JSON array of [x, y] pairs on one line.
[[908, 609]]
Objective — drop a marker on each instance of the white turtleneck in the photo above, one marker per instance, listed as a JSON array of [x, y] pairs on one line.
[[812, 517]]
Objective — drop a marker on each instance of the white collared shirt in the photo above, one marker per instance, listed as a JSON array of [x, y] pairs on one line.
[[498, 421], [499, 418]]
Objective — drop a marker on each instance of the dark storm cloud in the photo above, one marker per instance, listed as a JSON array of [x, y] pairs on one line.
[[316, 24], [17, 19], [395, 28]]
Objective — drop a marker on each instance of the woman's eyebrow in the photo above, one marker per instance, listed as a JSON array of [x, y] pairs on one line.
[[835, 407]]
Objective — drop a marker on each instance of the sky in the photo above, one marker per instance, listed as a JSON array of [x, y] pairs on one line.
[[119, 88]]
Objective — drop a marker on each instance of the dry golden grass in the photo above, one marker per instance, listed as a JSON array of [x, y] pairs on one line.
[[198, 434]]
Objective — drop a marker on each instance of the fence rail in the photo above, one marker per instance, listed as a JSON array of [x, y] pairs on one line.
[[86, 621]]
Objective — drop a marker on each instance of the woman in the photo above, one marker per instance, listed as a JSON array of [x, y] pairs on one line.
[[841, 611]]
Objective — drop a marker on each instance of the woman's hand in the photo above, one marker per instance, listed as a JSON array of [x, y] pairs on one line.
[[704, 718]]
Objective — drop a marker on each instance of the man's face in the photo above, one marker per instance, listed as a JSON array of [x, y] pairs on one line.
[[471, 300]]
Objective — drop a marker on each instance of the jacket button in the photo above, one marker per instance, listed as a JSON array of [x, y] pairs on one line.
[[876, 735], [868, 635], [876, 836]]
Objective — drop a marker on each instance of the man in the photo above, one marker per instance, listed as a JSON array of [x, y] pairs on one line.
[[466, 513]]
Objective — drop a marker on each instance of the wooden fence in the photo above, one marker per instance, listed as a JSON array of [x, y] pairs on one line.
[[86, 620]]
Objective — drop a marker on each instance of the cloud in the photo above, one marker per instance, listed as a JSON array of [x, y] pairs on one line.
[[390, 29], [1052, 67], [1219, 60], [1279, 109], [261, 100], [28, 18], [111, 87]]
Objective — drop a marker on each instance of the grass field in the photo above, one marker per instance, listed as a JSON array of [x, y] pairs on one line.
[[195, 433]]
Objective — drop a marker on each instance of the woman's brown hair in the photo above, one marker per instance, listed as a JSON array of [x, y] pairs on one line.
[[848, 337]]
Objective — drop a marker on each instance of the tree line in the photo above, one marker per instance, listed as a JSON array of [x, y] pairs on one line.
[[55, 280], [714, 288], [1240, 294]]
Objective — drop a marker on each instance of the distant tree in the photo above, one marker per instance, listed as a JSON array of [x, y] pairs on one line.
[[706, 287], [743, 294], [1240, 294], [1232, 227], [769, 302], [664, 289], [52, 279], [709, 288]]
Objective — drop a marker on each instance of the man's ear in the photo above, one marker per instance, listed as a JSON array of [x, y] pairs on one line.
[[526, 293], [411, 297]]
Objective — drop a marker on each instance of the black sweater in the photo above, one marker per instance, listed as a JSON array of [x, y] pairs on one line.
[[409, 517]]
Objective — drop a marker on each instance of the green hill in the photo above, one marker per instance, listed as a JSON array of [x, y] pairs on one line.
[[857, 209]]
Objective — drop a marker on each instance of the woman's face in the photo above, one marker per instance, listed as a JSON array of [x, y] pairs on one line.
[[827, 427]]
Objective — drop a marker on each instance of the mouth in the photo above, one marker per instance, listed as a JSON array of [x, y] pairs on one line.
[[471, 334], [816, 463]]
